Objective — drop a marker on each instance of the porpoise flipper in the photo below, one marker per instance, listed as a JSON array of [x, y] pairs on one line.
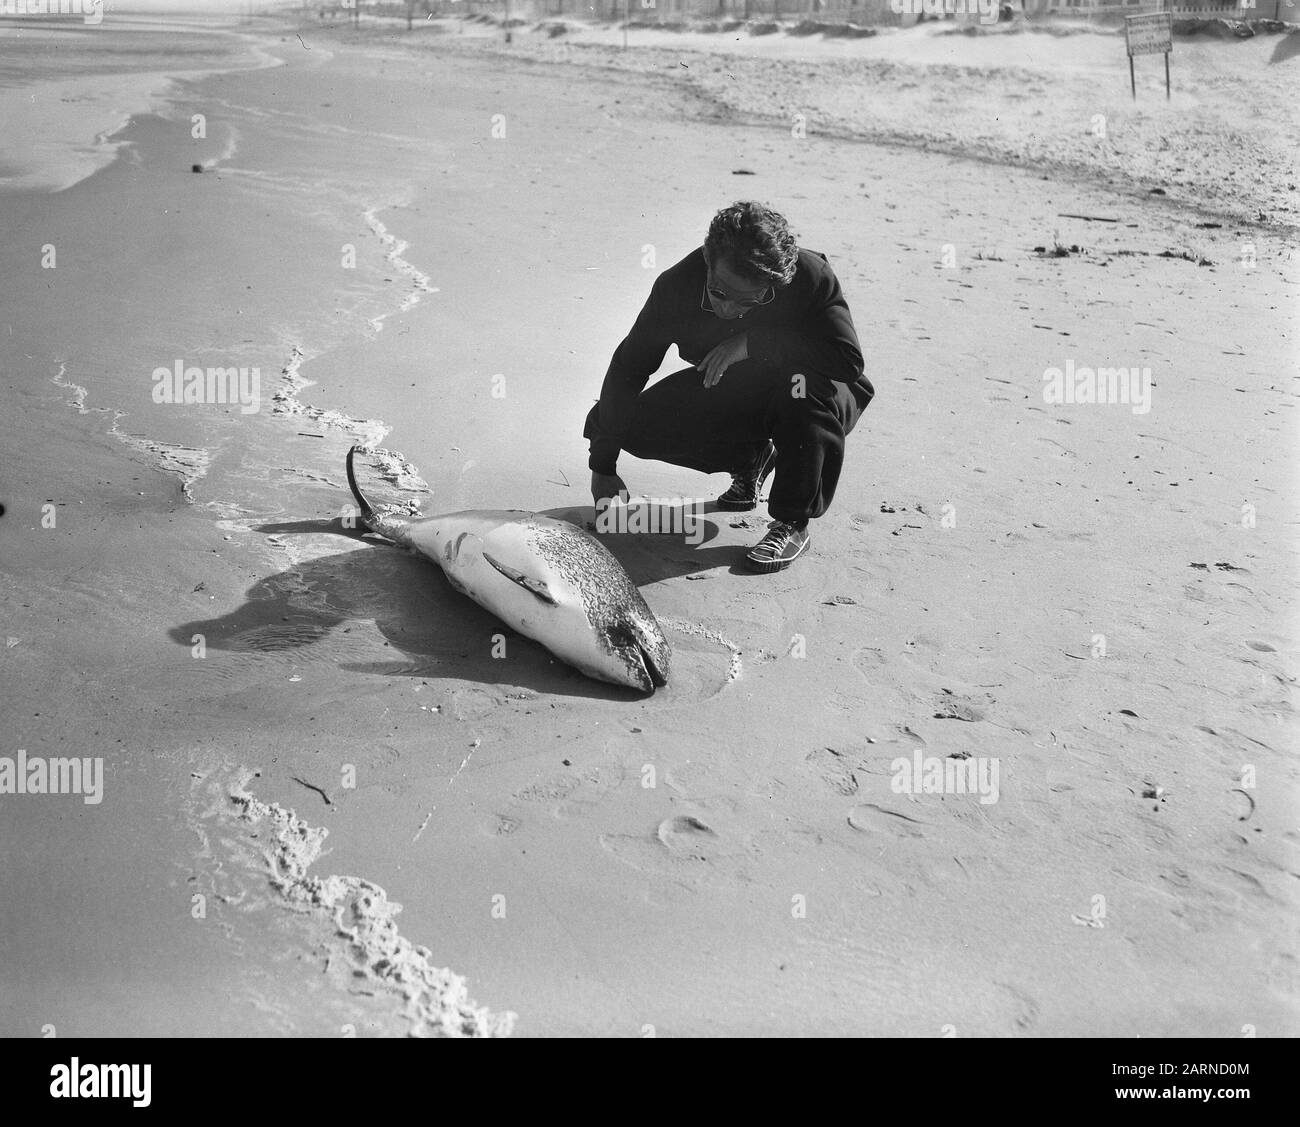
[[536, 586]]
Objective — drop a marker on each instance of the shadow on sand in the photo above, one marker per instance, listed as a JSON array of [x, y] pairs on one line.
[[436, 631]]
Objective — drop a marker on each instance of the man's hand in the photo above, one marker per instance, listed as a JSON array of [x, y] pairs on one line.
[[722, 357], [604, 486]]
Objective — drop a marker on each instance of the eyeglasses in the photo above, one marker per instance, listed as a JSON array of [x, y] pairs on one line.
[[722, 296]]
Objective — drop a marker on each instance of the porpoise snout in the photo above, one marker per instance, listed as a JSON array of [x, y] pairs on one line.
[[643, 650]]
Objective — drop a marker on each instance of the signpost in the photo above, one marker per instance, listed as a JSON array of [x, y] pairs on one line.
[[1152, 34]]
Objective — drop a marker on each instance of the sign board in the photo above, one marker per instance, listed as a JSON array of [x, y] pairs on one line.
[[1152, 34]]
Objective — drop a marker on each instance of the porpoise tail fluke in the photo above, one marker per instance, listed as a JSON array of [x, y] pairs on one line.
[[390, 527]]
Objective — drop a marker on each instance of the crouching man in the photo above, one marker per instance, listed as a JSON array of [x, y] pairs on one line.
[[776, 385]]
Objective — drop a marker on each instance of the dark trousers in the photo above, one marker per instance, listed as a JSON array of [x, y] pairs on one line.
[[725, 427]]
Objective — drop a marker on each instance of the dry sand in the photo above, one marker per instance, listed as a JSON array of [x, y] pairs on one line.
[[1099, 600]]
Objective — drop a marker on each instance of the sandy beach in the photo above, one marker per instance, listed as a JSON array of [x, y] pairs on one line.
[[331, 805]]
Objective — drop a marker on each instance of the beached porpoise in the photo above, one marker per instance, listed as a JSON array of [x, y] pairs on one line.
[[545, 578]]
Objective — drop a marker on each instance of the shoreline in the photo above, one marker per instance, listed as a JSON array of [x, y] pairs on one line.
[[68, 123]]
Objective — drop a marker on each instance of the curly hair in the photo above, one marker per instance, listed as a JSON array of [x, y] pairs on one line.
[[755, 240]]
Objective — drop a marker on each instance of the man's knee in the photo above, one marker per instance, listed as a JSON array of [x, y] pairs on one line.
[[812, 401]]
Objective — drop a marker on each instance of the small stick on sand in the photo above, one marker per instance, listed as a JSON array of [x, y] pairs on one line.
[[312, 786]]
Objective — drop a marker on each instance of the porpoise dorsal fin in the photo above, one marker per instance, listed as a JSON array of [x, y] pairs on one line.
[[536, 586]]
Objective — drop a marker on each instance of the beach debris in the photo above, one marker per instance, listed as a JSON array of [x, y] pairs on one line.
[[831, 765], [200, 586], [1088, 921], [1157, 192], [903, 526], [10, 642], [1059, 250], [1129, 712], [196, 168], [422, 825], [887, 508], [312, 786], [1222, 566], [308, 434], [1187, 256], [1092, 218], [1200, 566], [1246, 816], [566, 762], [565, 482], [741, 172], [742, 522], [1150, 790], [839, 600]]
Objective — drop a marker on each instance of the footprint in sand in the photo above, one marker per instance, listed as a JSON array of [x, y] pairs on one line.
[[950, 706], [704, 663], [575, 792], [549, 789], [686, 836], [683, 848], [872, 818], [928, 859], [835, 769], [1021, 1008], [500, 825]]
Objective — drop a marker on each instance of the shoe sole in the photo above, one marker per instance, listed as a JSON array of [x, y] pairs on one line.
[[749, 506], [766, 567]]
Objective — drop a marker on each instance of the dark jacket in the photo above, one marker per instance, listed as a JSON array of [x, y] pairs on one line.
[[806, 328]]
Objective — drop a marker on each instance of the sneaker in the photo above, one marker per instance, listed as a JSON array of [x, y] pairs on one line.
[[747, 484], [783, 544]]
